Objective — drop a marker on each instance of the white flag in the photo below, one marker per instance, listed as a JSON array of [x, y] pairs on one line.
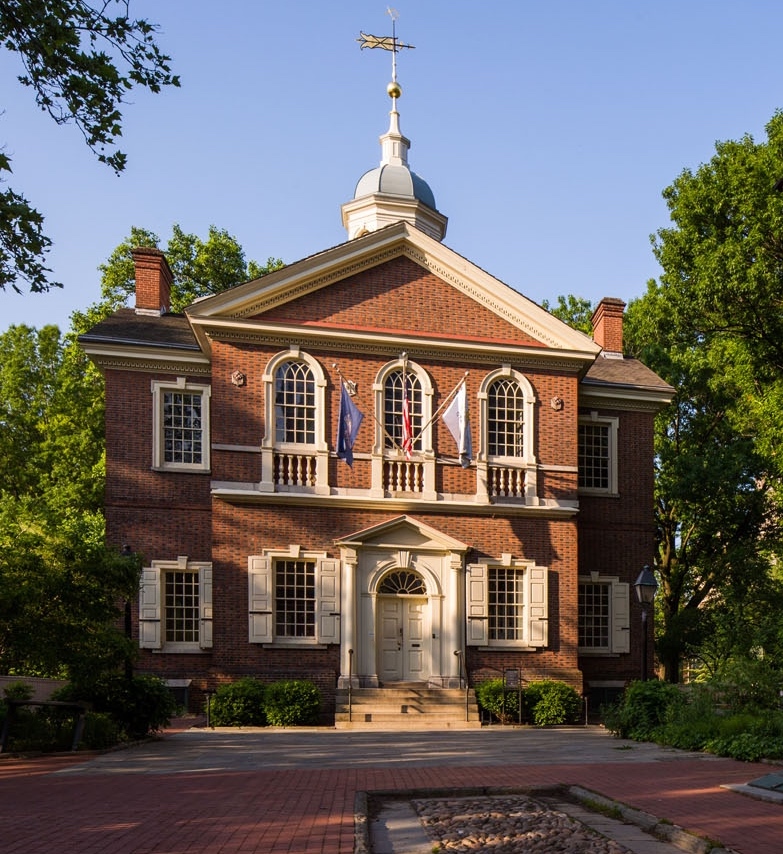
[[456, 419]]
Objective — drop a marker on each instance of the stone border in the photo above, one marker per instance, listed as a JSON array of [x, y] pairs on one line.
[[366, 802]]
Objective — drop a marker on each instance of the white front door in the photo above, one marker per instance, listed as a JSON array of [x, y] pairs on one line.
[[403, 650]]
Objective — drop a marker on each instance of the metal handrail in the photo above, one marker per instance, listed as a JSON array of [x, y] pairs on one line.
[[350, 685], [464, 673]]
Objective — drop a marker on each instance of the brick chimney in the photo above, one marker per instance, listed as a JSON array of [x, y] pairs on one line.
[[607, 323], [153, 281]]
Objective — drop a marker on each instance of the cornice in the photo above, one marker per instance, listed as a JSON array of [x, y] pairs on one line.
[[383, 344], [148, 360], [628, 399], [247, 495]]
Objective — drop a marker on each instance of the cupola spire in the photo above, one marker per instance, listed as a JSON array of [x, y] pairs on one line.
[[392, 192]]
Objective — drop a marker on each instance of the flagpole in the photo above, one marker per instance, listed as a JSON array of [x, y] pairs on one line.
[[445, 401]]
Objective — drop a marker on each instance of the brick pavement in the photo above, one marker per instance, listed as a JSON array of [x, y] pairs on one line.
[[217, 794]]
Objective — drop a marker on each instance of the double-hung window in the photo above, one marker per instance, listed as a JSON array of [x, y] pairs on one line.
[[507, 604], [180, 425], [293, 598], [598, 455], [175, 606], [603, 615]]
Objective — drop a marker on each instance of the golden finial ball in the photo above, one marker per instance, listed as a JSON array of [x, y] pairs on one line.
[[394, 90]]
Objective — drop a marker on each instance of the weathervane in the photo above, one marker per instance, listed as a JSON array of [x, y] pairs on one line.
[[387, 43]]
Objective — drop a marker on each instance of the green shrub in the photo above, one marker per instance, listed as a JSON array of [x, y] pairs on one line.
[[550, 702], [644, 709], [502, 704], [18, 691], [293, 702], [101, 731], [239, 704], [140, 705], [748, 684]]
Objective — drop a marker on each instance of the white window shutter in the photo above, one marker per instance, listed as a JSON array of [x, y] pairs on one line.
[[149, 608], [621, 617], [205, 606], [327, 603], [260, 593], [477, 599], [538, 606]]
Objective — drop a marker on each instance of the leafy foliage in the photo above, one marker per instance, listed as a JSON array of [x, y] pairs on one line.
[[577, 312], [240, 703], [643, 709], [503, 704], [200, 268], [292, 702], [550, 702], [81, 62], [139, 705], [54, 565]]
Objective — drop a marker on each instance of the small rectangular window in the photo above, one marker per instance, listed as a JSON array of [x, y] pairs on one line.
[[181, 607], [594, 615], [180, 438], [506, 604], [594, 456], [182, 433], [295, 598]]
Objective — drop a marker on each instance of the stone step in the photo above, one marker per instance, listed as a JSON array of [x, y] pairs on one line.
[[406, 707]]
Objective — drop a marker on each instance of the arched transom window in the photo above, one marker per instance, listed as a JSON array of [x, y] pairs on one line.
[[403, 582]]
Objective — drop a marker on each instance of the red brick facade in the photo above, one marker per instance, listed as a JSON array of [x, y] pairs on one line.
[[353, 325]]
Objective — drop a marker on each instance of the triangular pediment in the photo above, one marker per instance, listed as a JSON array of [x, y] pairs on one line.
[[403, 532], [486, 307]]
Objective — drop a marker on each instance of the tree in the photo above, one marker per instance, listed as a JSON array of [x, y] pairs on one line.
[[717, 304], [576, 311], [81, 62], [715, 497], [54, 566], [200, 268], [722, 262]]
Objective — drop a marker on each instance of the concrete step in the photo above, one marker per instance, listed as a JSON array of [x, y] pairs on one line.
[[406, 707]]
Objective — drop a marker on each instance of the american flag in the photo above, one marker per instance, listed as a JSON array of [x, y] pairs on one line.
[[407, 432]]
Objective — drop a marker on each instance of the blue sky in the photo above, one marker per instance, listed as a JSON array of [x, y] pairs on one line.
[[546, 130]]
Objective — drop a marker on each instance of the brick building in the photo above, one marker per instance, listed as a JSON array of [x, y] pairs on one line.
[[268, 551]]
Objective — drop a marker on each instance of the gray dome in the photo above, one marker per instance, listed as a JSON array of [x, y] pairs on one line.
[[395, 180]]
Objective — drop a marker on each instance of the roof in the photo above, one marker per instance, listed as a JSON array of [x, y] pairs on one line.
[[127, 327]]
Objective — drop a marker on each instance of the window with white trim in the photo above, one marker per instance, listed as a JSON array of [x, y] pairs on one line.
[[401, 385], [175, 606], [603, 615], [597, 449], [506, 461], [295, 410], [507, 604], [293, 598], [180, 438], [294, 453]]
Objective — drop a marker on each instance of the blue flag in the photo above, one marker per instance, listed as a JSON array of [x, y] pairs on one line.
[[348, 422]]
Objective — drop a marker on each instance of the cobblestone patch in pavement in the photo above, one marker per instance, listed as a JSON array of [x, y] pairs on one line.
[[545, 821]]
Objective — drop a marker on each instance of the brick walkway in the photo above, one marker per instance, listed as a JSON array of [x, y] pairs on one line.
[[270, 792]]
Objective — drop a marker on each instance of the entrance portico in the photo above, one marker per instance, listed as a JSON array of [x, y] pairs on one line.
[[403, 606]]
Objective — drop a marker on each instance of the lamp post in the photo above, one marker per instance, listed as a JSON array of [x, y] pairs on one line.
[[645, 586]]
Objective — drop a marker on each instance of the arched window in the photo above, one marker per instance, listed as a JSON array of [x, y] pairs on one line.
[[295, 410], [294, 453], [505, 419], [401, 391], [403, 582], [506, 463]]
